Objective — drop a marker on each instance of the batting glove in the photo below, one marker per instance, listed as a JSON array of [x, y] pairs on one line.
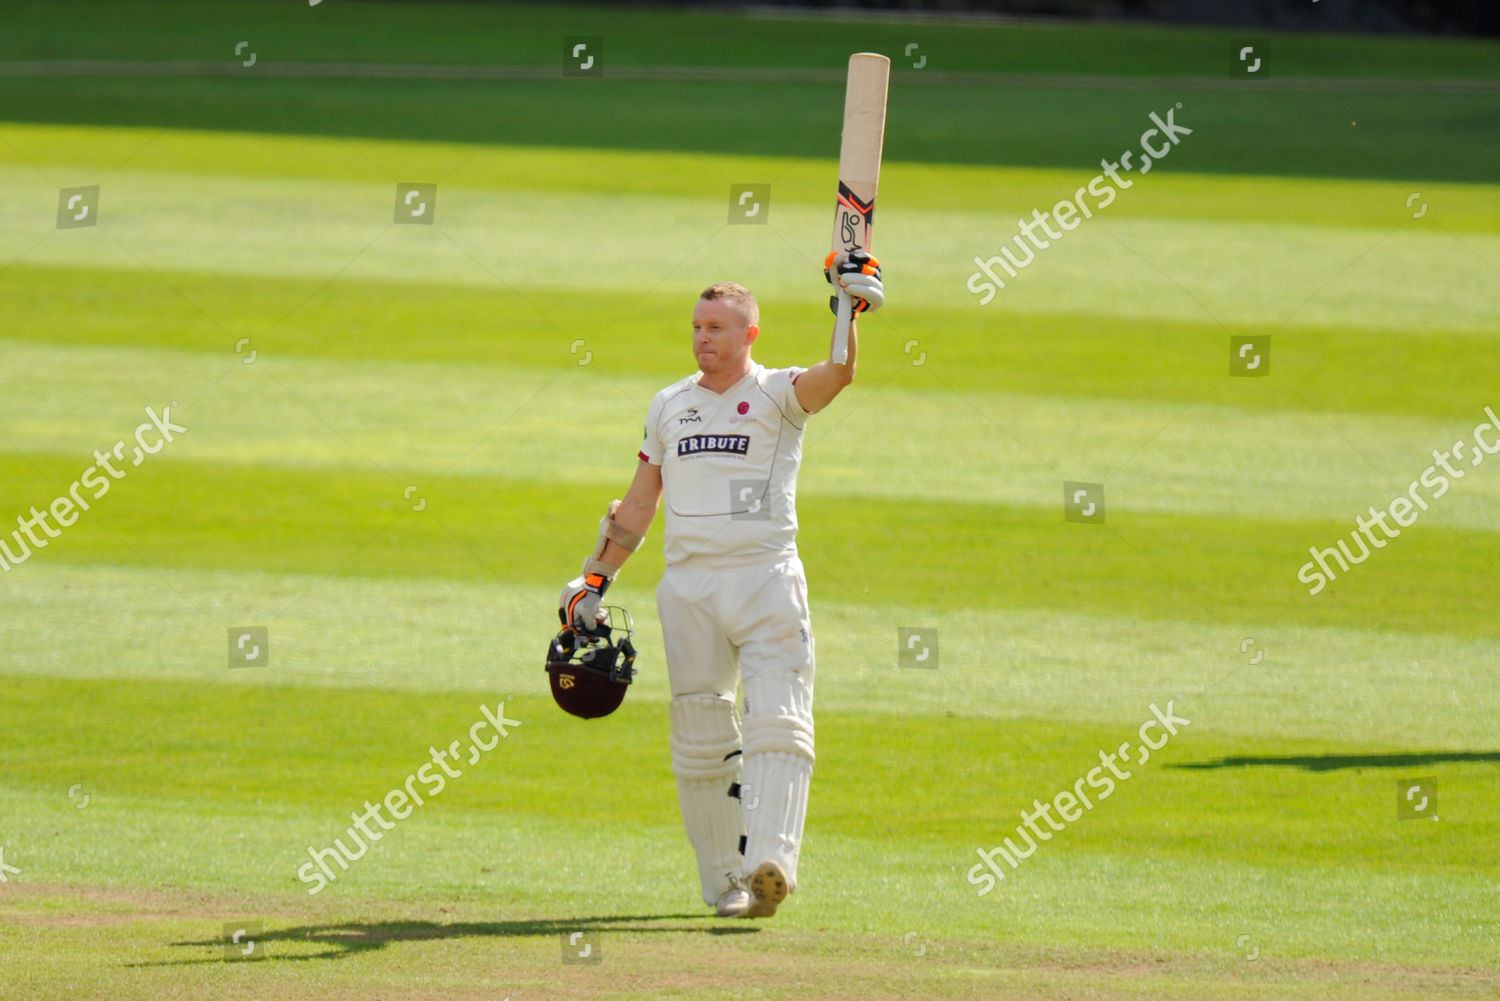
[[859, 276], [578, 608]]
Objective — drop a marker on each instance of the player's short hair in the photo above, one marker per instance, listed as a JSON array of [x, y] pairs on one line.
[[741, 297]]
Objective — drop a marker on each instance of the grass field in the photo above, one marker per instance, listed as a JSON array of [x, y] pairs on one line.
[[399, 440]]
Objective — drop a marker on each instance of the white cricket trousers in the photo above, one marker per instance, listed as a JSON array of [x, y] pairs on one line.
[[743, 793]]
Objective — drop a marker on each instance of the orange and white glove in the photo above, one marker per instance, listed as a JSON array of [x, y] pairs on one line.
[[858, 275], [578, 608]]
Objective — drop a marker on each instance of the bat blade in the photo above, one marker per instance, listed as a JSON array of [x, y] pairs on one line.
[[859, 169]]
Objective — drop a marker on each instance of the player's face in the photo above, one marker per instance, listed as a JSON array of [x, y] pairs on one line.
[[721, 337]]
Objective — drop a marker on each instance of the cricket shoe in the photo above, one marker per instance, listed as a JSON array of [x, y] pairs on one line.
[[733, 903], [768, 888]]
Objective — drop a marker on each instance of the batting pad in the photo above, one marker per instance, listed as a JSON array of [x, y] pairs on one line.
[[777, 772], [706, 759]]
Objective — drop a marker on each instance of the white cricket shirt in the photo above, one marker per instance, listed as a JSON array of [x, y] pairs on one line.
[[728, 467]]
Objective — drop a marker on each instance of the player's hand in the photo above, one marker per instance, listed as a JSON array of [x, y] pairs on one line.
[[578, 608], [858, 274]]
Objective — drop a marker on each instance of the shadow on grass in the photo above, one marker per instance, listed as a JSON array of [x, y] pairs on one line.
[[1332, 762], [353, 937]]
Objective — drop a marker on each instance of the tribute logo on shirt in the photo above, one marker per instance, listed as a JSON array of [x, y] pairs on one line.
[[733, 444]]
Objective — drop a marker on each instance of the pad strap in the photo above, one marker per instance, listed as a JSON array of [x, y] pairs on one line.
[[594, 565], [620, 535], [611, 531]]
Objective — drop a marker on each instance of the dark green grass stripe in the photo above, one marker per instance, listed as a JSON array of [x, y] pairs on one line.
[[1201, 567], [1378, 134], [532, 34], [976, 349], [217, 744], [1245, 129]]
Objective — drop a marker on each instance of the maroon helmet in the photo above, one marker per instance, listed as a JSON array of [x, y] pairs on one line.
[[590, 674]]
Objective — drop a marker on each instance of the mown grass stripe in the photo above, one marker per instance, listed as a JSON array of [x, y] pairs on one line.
[[1194, 567]]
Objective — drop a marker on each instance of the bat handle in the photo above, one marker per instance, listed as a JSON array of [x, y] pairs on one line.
[[840, 353]]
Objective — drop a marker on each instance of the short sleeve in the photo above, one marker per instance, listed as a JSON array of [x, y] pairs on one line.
[[784, 391], [652, 449]]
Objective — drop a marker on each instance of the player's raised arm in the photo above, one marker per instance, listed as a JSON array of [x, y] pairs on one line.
[[621, 532], [856, 275]]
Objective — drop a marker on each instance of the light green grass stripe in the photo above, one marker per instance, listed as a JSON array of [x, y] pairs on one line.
[[39, 153], [1359, 686], [900, 434], [1211, 271]]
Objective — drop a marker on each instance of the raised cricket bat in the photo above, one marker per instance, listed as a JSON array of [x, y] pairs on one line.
[[859, 171]]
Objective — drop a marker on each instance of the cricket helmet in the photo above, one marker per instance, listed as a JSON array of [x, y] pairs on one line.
[[591, 673]]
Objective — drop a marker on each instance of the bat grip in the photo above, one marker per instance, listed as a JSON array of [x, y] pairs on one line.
[[840, 353]]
